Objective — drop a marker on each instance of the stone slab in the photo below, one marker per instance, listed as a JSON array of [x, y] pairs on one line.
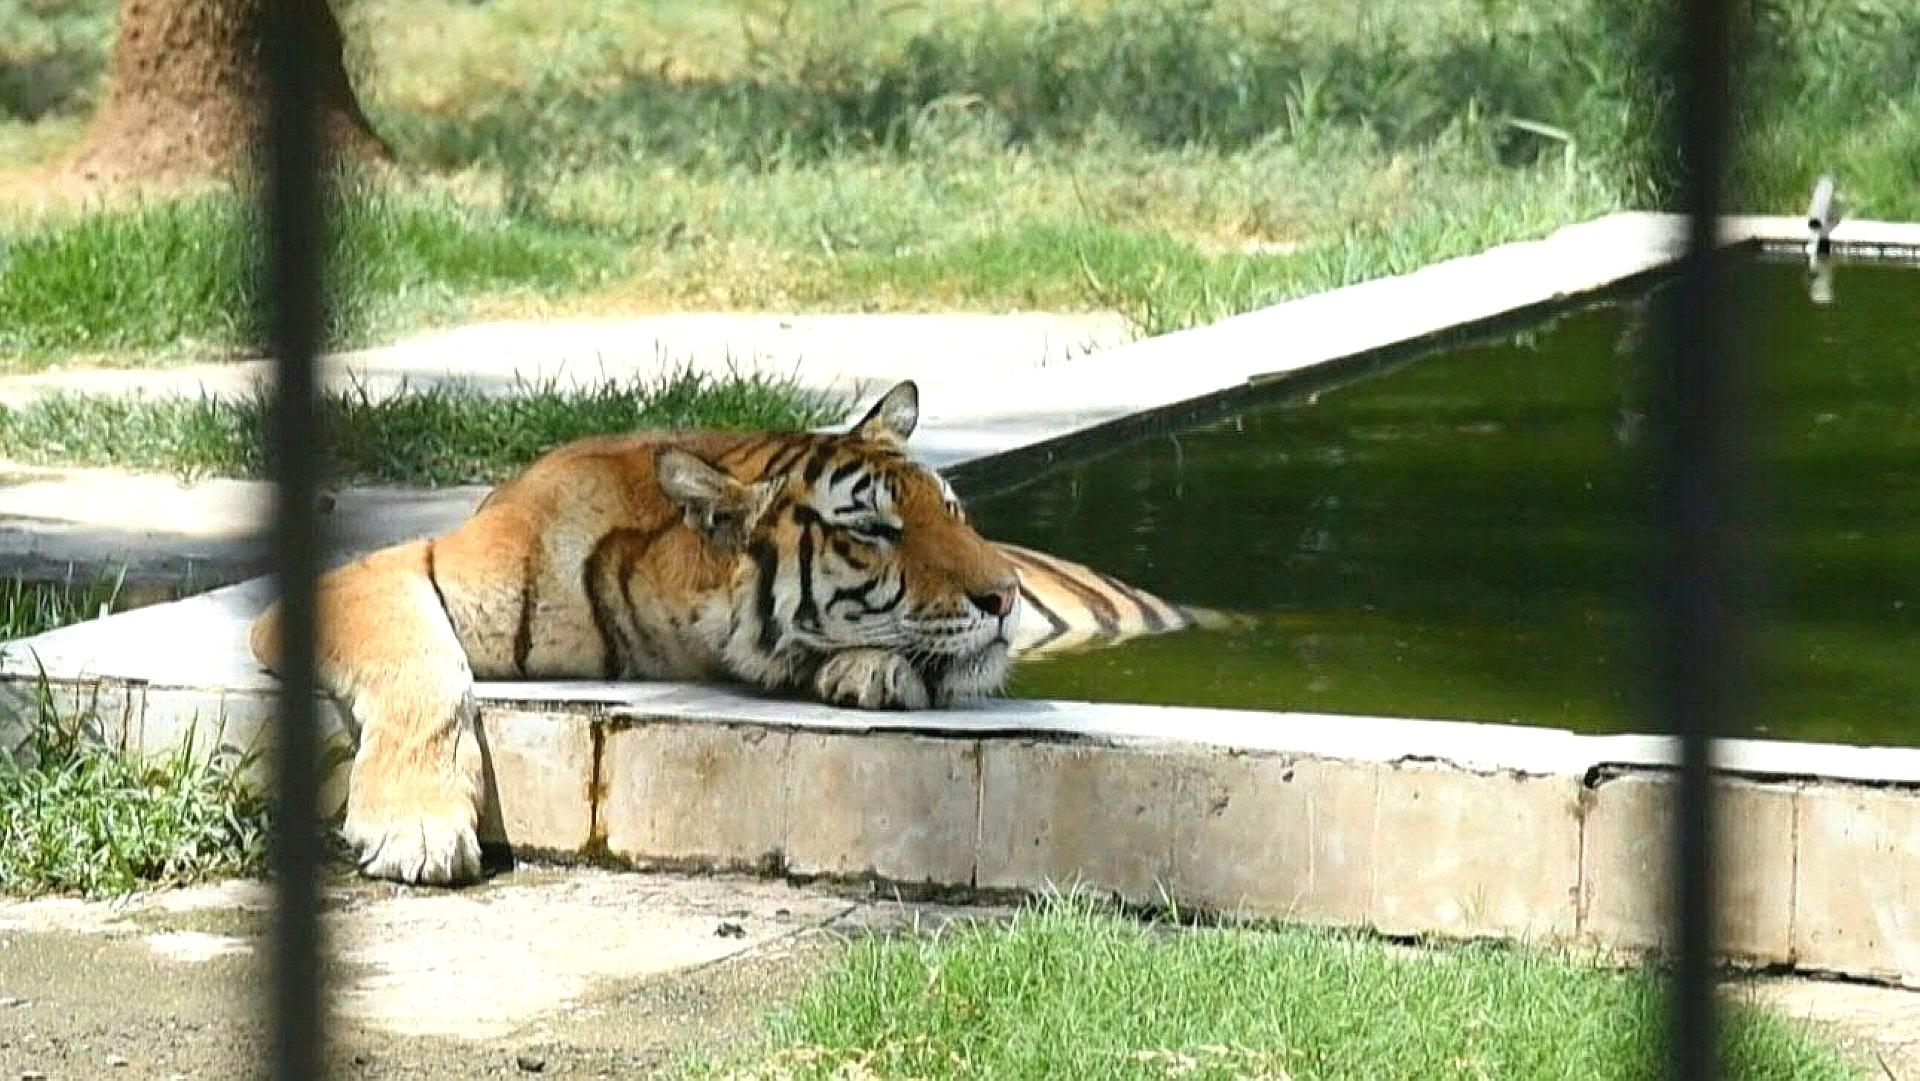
[[900, 809], [1857, 882], [1624, 871], [688, 795], [1470, 854], [1064, 816], [540, 781], [1277, 837]]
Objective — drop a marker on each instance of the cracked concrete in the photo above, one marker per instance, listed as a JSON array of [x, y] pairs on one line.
[[1878, 1026]]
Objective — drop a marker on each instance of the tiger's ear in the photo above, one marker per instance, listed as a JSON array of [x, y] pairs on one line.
[[892, 418], [715, 505]]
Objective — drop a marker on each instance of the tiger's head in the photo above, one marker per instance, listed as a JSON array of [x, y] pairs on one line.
[[855, 575]]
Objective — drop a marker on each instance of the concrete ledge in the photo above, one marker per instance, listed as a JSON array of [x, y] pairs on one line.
[[1822, 873]]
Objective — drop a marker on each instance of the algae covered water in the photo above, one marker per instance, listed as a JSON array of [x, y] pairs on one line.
[[1465, 536]]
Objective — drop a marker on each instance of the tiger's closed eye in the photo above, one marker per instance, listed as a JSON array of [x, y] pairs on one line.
[[873, 531]]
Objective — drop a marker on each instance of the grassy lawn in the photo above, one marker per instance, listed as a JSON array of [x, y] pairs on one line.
[[171, 280], [1174, 162], [1069, 991], [434, 436]]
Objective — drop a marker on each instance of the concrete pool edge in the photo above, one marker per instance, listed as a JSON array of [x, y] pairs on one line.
[[1158, 804], [1405, 827]]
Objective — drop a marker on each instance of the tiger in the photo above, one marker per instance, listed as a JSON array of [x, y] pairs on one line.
[[819, 565]]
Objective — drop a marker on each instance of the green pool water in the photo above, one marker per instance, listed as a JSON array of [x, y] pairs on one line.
[[1464, 536]]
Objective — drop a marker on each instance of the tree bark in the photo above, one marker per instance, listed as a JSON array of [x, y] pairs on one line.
[[186, 95]]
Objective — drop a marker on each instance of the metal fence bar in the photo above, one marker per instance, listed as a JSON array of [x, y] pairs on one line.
[[1700, 397], [291, 290]]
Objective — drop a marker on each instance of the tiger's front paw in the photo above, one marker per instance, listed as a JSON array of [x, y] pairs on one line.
[[439, 851], [415, 825], [870, 679]]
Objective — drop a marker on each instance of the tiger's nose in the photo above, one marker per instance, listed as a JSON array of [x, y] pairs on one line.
[[996, 602]]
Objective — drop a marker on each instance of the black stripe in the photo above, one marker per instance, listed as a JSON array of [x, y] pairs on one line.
[[785, 459], [806, 613], [766, 563], [888, 605], [1057, 627], [747, 449], [433, 579], [634, 545], [844, 470], [859, 593], [523, 636], [862, 597], [846, 553], [1154, 620], [817, 464], [1098, 605], [596, 601], [620, 642]]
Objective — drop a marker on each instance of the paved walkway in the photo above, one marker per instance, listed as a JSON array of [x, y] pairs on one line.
[[165, 530], [951, 354]]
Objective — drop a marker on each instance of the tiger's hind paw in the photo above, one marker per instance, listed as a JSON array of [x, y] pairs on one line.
[[871, 679]]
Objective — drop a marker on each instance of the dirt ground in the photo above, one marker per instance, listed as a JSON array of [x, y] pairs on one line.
[[573, 973]]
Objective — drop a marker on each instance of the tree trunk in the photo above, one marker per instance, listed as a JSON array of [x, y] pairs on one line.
[[186, 95]]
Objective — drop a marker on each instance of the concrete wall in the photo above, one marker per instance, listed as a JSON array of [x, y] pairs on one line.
[[1322, 823], [1818, 875]]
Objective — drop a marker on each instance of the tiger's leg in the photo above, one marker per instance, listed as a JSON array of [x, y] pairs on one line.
[[389, 652]]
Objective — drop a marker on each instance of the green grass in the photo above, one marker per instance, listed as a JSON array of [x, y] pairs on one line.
[[32, 607], [1173, 161], [1067, 990], [76, 817], [432, 436], [177, 277]]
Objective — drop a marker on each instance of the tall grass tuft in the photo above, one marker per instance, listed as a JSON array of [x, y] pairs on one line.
[[30, 607], [77, 817]]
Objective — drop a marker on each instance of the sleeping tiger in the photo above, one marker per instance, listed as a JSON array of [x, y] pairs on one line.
[[825, 566]]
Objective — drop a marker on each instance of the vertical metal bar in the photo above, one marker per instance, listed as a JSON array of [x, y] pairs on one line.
[[1700, 396], [291, 284]]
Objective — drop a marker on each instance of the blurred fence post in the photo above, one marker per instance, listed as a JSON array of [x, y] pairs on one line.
[[1698, 388], [291, 282]]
